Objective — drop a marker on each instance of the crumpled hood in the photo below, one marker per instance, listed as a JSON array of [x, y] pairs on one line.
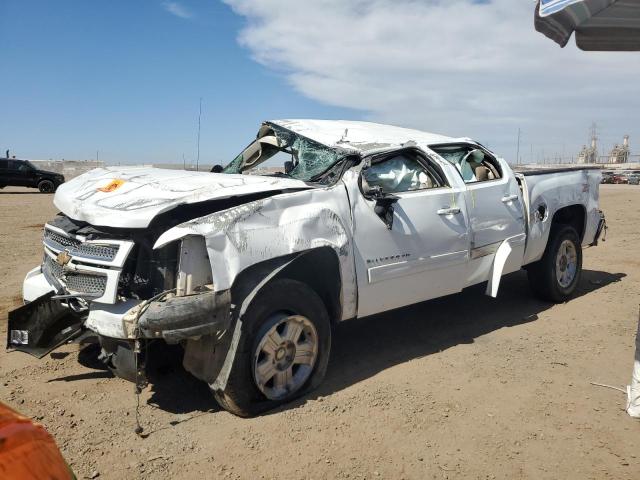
[[130, 197]]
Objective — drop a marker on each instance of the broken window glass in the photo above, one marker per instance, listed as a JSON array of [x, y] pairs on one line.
[[473, 163], [399, 174], [308, 159]]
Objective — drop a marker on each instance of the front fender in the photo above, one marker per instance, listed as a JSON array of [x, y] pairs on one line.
[[248, 234]]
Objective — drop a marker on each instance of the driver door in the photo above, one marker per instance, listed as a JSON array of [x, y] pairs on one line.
[[419, 249]]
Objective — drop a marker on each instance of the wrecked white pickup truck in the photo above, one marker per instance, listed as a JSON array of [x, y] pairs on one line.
[[248, 272]]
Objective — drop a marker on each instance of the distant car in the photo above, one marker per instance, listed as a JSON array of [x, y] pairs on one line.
[[607, 177], [633, 179], [619, 178], [23, 173]]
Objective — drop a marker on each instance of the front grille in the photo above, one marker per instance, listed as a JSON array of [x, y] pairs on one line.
[[104, 252], [94, 285], [78, 248], [61, 239], [52, 267]]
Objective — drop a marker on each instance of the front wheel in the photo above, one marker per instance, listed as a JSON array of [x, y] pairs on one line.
[[283, 350], [557, 274], [46, 186]]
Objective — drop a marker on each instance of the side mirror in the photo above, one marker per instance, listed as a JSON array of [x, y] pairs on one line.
[[217, 169], [384, 202], [371, 193]]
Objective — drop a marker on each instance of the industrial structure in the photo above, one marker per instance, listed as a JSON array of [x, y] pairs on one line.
[[620, 153], [589, 154]]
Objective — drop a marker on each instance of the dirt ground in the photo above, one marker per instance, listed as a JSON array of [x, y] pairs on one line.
[[461, 387]]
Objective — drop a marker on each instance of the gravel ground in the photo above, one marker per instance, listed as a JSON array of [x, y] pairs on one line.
[[462, 387]]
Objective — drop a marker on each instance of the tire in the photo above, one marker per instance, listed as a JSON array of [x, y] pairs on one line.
[[283, 306], [46, 186], [551, 278]]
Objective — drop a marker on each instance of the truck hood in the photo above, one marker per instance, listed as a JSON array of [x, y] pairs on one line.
[[130, 197]]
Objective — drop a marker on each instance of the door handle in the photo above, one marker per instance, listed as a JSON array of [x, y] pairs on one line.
[[509, 198], [449, 211]]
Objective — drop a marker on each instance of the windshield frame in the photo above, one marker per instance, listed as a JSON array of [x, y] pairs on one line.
[[288, 139]]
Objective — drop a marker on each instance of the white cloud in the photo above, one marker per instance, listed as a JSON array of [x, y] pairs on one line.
[[177, 9], [458, 67]]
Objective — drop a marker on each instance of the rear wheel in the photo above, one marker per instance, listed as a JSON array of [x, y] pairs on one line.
[[557, 274], [283, 350], [46, 186]]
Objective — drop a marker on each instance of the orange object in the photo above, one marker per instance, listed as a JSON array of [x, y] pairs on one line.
[[27, 451], [112, 185]]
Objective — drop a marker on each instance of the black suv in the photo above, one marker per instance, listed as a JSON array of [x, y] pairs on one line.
[[22, 173]]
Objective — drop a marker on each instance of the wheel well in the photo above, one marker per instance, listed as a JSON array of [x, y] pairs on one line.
[[573, 215], [318, 268]]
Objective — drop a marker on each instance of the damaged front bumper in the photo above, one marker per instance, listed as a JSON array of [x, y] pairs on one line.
[[41, 326], [198, 321]]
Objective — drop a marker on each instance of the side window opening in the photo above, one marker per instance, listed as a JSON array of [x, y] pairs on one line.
[[473, 163], [401, 173]]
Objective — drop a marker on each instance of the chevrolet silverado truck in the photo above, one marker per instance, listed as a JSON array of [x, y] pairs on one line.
[[315, 222]]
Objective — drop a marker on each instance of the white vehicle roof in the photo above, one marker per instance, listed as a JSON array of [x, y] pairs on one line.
[[364, 137]]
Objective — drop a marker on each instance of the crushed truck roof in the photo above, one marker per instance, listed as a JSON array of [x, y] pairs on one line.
[[363, 137]]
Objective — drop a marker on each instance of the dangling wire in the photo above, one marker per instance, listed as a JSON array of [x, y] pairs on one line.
[[137, 388], [136, 353]]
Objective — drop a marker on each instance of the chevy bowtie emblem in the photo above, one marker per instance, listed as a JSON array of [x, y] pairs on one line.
[[63, 258]]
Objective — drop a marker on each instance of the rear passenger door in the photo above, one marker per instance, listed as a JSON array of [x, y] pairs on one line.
[[494, 202], [4, 173], [19, 173], [13, 174]]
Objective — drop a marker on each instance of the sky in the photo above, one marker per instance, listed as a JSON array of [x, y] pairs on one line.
[[122, 80]]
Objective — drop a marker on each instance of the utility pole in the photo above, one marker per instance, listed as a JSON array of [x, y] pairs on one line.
[[184, 164], [518, 151], [198, 156], [531, 155]]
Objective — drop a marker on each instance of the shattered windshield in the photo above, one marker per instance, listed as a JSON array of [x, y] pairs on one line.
[[291, 155]]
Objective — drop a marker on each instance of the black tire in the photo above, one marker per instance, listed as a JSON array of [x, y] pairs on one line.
[[543, 276], [46, 186], [241, 395]]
